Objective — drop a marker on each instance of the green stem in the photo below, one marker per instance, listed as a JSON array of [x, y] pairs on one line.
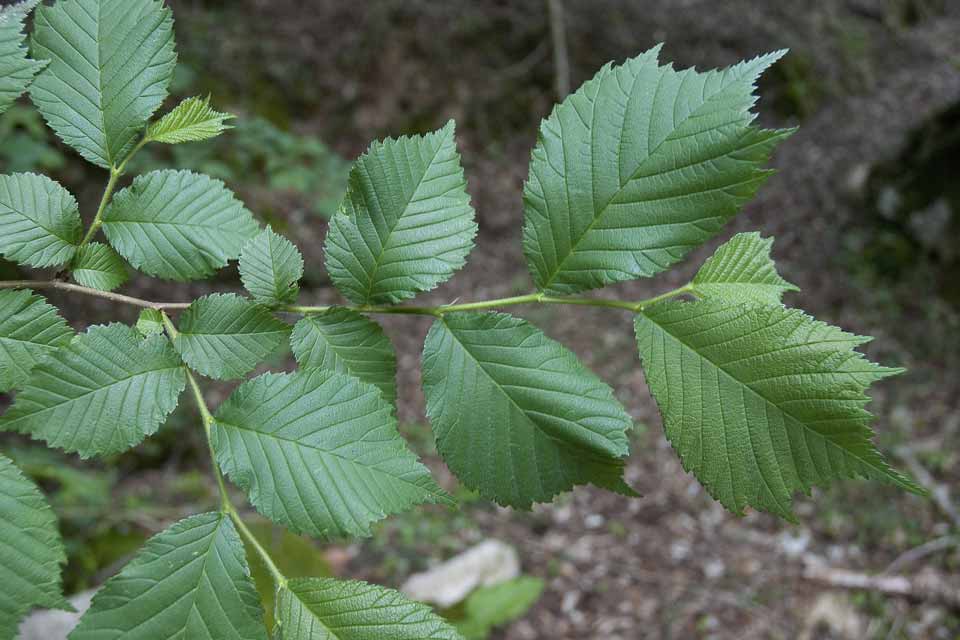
[[226, 505], [532, 298], [115, 173], [438, 311], [279, 579]]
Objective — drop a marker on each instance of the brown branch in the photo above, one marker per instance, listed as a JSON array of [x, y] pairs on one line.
[[75, 288]]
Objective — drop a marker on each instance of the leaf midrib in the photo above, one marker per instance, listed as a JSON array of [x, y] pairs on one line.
[[884, 472], [559, 441], [238, 427], [650, 154], [386, 241]]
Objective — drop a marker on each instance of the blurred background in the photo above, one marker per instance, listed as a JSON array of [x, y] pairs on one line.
[[866, 214]]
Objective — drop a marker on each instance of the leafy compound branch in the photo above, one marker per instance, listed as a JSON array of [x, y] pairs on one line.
[[638, 167]]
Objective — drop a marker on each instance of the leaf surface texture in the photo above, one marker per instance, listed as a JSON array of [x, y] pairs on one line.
[[638, 167], [761, 401], [406, 224], [343, 340], [101, 394], [327, 609], [190, 581], [515, 414], [29, 330], [32, 552], [178, 225], [110, 64], [319, 452], [225, 336]]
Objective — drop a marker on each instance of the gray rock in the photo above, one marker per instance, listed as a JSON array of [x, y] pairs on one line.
[[55, 625], [490, 562]]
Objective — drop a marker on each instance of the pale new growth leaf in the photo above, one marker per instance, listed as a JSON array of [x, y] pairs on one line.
[[319, 452], [741, 270], [29, 330], [516, 415], [192, 120], [406, 224], [343, 340], [178, 225], [225, 336], [328, 609], [101, 394], [31, 552], [150, 322], [99, 267], [191, 581], [16, 69], [638, 167], [761, 401], [111, 62], [39, 221], [271, 268]]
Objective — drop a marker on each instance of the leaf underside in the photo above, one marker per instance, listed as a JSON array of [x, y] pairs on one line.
[[16, 69], [271, 268], [319, 452], [99, 267], [178, 225], [515, 414], [39, 220], [328, 609], [190, 581], [225, 336], [101, 394], [32, 552], [29, 329], [741, 270], [406, 224], [761, 401], [346, 341], [638, 167]]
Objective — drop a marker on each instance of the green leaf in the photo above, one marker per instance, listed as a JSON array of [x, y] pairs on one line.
[[150, 322], [761, 401], [328, 609], [516, 416], [270, 268], [741, 270], [178, 225], [111, 62], [31, 553], [225, 336], [497, 605], [192, 120], [343, 340], [319, 452], [39, 220], [190, 581], [99, 267], [638, 167], [29, 329], [101, 394], [16, 69], [406, 224]]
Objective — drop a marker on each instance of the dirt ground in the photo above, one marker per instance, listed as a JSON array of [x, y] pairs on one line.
[[861, 76]]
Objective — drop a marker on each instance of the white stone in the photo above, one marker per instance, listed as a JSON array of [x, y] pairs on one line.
[[55, 625], [490, 562]]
